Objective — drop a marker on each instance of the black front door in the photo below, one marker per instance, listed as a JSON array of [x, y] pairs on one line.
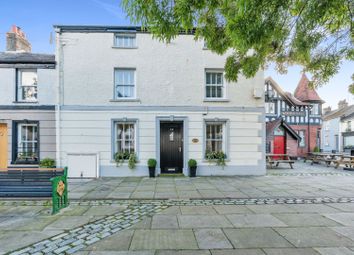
[[171, 147]]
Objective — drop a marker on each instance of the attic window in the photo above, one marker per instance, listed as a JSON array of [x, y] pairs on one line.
[[125, 40]]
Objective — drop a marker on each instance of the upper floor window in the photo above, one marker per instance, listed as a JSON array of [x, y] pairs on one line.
[[27, 85], [349, 126], [214, 87], [26, 149], [125, 40], [270, 107], [315, 109], [124, 83]]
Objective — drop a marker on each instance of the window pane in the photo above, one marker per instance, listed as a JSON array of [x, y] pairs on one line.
[[28, 78], [214, 85], [125, 137], [125, 41], [124, 80]]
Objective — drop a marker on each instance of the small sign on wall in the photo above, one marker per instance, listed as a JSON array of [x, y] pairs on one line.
[[195, 140]]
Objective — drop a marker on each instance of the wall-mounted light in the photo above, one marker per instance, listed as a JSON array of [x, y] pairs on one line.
[[172, 118]]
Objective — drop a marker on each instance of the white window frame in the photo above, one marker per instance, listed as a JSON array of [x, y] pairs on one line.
[[20, 86], [125, 36], [225, 131], [115, 138], [35, 143], [223, 85], [315, 107], [302, 142], [116, 97], [267, 107]]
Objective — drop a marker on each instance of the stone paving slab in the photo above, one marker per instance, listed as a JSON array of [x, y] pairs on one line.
[[238, 252], [335, 251], [347, 219], [212, 239], [255, 238], [163, 240], [314, 237], [306, 219], [291, 251], [203, 221], [254, 220]]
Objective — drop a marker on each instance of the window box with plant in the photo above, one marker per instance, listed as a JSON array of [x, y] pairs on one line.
[[192, 164], [217, 157], [121, 157], [152, 167]]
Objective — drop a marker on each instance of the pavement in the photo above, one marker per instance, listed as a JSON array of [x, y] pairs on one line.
[[309, 210]]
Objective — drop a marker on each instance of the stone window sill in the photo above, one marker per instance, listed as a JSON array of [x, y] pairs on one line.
[[208, 100], [125, 48], [125, 100], [25, 102]]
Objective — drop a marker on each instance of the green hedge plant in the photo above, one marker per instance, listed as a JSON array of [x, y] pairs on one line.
[[47, 163]]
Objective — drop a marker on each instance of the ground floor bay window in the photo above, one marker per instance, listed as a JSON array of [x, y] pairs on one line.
[[26, 142]]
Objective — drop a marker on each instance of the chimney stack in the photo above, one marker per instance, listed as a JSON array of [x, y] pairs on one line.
[[327, 110], [16, 40], [342, 104]]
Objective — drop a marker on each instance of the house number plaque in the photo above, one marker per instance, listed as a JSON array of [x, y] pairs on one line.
[[195, 140]]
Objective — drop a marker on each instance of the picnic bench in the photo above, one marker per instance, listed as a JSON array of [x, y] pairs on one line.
[[27, 182], [346, 161], [327, 158], [276, 159]]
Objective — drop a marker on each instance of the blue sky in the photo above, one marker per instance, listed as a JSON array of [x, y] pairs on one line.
[[36, 18]]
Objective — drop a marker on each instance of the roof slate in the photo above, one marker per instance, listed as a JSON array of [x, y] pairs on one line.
[[26, 58], [304, 93]]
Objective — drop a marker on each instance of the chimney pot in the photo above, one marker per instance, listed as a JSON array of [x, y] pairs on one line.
[[16, 40], [342, 104]]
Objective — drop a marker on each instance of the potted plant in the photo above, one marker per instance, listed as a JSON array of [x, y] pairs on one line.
[[152, 166], [192, 164]]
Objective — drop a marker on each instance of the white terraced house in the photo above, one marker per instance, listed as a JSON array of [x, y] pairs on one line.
[[121, 91], [27, 98]]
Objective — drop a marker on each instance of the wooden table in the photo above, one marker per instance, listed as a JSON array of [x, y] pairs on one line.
[[328, 158], [276, 159], [345, 161]]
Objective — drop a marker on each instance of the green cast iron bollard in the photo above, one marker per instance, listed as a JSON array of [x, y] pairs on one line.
[[60, 192]]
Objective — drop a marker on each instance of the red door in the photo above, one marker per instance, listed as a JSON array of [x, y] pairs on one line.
[[279, 145]]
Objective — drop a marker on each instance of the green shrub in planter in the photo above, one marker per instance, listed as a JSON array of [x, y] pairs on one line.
[[152, 167], [152, 162], [192, 163], [47, 163]]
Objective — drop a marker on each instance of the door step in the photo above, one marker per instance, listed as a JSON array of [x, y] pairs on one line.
[[171, 175]]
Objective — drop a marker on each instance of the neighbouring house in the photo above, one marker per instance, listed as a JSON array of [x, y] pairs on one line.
[[293, 122], [336, 128], [27, 112], [123, 92], [347, 130]]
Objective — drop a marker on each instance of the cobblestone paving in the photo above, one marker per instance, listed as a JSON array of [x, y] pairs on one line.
[[78, 238]]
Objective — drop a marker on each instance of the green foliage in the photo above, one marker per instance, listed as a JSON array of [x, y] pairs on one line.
[[316, 149], [192, 163], [315, 34], [132, 160], [47, 163], [216, 156], [121, 157], [152, 162]]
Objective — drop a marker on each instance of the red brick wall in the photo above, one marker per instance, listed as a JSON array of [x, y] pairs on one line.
[[291, 146], [302, 151]]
